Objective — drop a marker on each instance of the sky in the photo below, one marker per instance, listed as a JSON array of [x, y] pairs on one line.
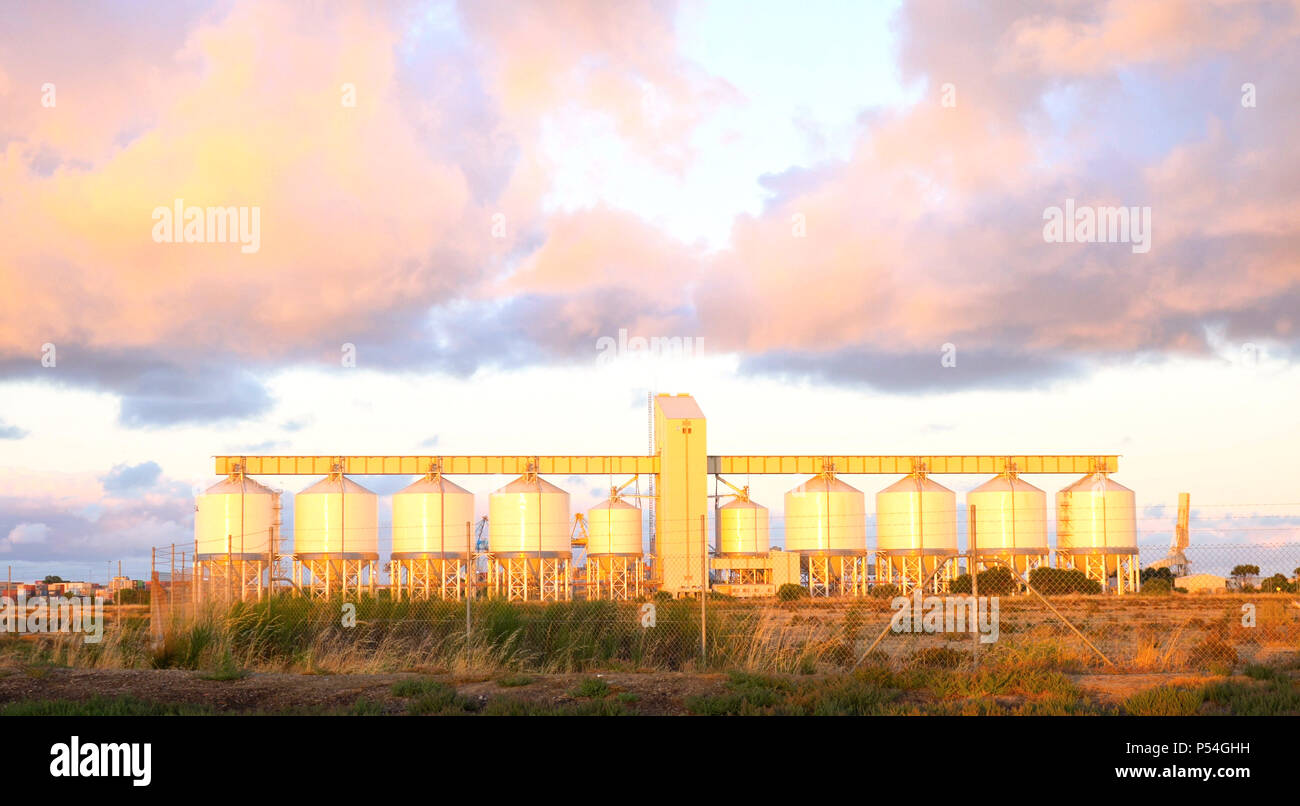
[[843, 206]]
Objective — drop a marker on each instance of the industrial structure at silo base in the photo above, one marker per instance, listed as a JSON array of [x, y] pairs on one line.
[[632, 545]]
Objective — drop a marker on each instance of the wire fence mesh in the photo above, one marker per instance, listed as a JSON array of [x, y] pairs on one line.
[[775, 611]]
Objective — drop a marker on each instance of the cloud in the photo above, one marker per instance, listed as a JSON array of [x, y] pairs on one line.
[[63, 518], [931, 231], [378, 219], [25, 534], [374, 217], [916, 372], [11, 431], [339, 241], [154, 391], [128, 478]]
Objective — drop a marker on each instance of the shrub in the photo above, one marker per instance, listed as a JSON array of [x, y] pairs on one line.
[[1149, 574], [789, 592], [1157, 586], [1061, 581], [130, 596], [1277, 583], [1085, 585], [885, 591], [996, 581]]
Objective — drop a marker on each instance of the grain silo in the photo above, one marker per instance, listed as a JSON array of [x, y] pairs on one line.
[[335, 538], [825, 522], [916, 533], [236, 538], [743, 528], [1096, 531], [1010, 523], [432, 519], [741, 563], [530, 539], [615, 565]]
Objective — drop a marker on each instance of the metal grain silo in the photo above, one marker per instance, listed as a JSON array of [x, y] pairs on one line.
[[615, 565], [916, 532], [235, 516], [1010, 522], [430, 519], [614, 527], [530, 538], [1096, 530], [431, 538], [335, 536], [742, 565], [825, 521], [236, 538], [743, 528]]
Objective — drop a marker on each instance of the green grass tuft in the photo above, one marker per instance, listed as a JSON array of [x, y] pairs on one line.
[[590, 688]]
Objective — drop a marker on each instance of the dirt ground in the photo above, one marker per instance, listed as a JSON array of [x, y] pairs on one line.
[[660, 693], [656, 693]]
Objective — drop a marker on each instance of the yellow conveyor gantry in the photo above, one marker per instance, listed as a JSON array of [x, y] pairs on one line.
[[649, 465], [681, 467]]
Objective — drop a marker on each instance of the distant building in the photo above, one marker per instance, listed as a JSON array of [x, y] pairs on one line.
[[70, 589], [1203, 583], [28, 590]]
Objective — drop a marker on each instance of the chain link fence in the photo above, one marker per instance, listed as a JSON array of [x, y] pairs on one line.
[[780, 612]]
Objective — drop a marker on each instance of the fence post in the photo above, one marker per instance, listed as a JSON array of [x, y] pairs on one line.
[[704, 593], [974, 587], [470, 573]]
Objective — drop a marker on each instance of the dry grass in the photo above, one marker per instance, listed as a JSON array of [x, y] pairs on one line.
[[1140, 635]]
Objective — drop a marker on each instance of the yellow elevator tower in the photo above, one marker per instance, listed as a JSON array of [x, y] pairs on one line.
[[681, 495]]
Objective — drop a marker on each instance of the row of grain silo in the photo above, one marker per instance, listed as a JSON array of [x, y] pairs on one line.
[[916, 531], [336, 536]]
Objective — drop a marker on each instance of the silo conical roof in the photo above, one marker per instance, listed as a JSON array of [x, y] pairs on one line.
[[428, 485], [336, 484]]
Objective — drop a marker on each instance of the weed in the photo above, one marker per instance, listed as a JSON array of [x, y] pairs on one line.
[[590, 688]]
